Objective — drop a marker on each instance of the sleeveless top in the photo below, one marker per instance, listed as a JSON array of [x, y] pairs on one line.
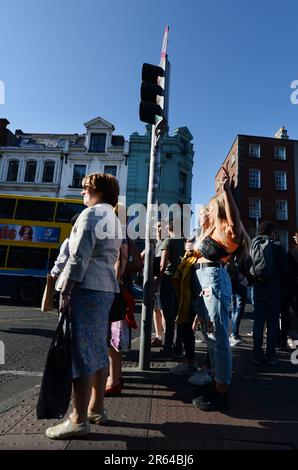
[[213, 251]]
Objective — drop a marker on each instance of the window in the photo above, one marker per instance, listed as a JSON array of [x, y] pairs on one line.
[[48, 172], [22, 257], [280, 180], [168, 155], [98, 143], [7, 208], [280, 153], [35, 210], [254, 151], [30, 171], [79, 172], [182, 182], [184, 147], [3, 251], [111, 170], [254, 207], [66, 210], [254, 179], [281, 210], [13, 168]]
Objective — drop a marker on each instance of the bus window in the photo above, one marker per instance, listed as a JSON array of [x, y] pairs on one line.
[[53, 256], [66, 210], [35, 210], [27, 258], [3, 251], [7, 208]]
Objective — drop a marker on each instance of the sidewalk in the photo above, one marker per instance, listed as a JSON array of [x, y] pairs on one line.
[[155, 412]]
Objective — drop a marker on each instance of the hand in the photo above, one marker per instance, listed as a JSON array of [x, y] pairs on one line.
[[225, 180], [64, 302]]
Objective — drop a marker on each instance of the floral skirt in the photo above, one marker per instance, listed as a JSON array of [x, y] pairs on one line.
[[89, 325]]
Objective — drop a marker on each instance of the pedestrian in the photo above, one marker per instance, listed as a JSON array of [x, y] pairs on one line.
[[224, 236], [239, 298], [186, 287], [270, 266], [88, 287], [172, 251], [119, 331]]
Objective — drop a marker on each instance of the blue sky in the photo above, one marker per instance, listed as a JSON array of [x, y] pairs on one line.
[[65, 62]]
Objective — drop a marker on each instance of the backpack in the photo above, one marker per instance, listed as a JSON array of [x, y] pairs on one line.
[[262, 259]]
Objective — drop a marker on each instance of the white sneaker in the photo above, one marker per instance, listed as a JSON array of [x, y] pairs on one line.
[[200, 378], [183, 369], [97, 418], [291, 343], [67, 430], [234, 341], [198, 339], [250, 333]]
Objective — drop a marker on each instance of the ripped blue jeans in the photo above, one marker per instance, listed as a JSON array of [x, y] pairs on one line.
[[217, 292]]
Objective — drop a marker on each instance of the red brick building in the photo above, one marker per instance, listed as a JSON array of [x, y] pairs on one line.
[[264, 176]]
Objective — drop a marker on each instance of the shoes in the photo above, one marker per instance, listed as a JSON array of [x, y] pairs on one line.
[[292, 343], [198, 339], [156, 342], [183, 369], [114, 391], [67, 430], [234, 341], [200, 378], [250, 333], [97, 418], [212, 400]]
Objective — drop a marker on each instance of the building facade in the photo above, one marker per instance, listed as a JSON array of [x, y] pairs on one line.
[[177, 157], [54, 164], [264, 179]]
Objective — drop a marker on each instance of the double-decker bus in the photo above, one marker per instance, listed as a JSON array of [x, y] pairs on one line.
[[31, 232]]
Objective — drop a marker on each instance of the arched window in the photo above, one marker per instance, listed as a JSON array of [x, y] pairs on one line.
[[13, 168], [48, 172], [30, 171]]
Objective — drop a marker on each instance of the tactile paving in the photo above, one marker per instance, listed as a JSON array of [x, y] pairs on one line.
[[10, 418], [30, 442]]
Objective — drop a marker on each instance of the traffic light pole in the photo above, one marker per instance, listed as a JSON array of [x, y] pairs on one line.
[[148, 114], [148, 288]]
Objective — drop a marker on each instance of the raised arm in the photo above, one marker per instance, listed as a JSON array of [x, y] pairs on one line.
[[232, 212]]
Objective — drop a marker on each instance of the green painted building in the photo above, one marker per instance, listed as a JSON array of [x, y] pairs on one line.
[[177, 158]]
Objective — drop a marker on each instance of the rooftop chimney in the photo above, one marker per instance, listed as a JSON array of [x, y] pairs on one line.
[[3, 131], [281, 133]]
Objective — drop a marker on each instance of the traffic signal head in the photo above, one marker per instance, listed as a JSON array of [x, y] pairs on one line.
[[152, 93]]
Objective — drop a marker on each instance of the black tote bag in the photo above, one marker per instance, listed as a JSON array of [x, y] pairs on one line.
[[55, 390], [118, 308]]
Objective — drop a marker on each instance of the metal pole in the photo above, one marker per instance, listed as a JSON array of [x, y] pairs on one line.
[[151, 217]]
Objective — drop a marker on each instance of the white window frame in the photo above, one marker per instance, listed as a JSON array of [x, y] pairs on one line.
[[277, 153], [254, 178], [280, 180], [251, 151], [255, 207], [281, 209]]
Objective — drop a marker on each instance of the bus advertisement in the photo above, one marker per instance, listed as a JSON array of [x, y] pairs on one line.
[[31, 232]]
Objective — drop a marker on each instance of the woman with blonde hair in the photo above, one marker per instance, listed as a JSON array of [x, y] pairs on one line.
[[223, 237]]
